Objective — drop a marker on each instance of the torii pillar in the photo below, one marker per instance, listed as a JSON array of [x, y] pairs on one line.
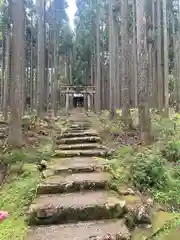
[[67, 100], [89, 101]]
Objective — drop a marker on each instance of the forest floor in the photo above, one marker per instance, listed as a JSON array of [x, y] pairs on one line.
[[151, 172], [146, 177], [19, 173]]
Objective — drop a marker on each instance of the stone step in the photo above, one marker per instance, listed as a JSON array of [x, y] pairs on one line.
[[78, 140], [73, 182], [77, 165], [95, 230], [78, 134], [77, 206], [75, 129], [78, 146], [80, 121], [79, 126], [80, 152]]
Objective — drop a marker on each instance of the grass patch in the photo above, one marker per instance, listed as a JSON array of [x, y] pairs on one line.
[[16, 196], [20, 188], [119, 166], [171, 151], [149, 172], [152, 168]]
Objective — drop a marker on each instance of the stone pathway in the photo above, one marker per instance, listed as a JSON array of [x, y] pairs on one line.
[[75, 203]]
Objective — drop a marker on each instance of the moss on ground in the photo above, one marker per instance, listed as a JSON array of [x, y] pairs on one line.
[[154, 170], [16, 195], [20, 187]]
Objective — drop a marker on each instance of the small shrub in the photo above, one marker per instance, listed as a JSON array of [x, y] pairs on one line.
[[119, 166], [16, 156], [162, 128], [149, 172], [171, 195], [172, 151]]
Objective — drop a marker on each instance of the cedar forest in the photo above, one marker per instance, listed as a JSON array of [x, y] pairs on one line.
[[128, 52]]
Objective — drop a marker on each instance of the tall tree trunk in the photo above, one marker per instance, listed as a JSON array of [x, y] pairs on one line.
[[159, 57], [15, 130], [70, 68], [134, 54], [124, 46], [112, 87], [117, 72], [23, 63], [166, 68], [41, 57], [55, 71], [177, 61], [103, 75], [3, 56], [31, 71], [98, 57], [154, 59], [142, 56], [6, 74]]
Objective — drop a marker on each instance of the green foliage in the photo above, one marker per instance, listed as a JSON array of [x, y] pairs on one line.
[[17, 156], [21, 188], [170, 195], [149, 172], [171, 83], [15, 198], [119, 166], [30, 155], [172, 151], [85, 40], [162, 127]]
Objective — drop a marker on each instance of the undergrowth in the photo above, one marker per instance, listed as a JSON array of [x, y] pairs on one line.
[[20, 187], [16, 195], [152, 169]]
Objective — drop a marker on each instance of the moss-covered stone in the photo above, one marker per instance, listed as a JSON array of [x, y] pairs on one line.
[[79, 146], [69, 134], [159, 219], [76, 140], [73, 183], [91, 230], [75, 207], [77, 165], [139, 212], [76, 153]]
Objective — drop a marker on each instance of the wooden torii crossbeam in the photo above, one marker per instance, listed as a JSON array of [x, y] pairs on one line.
[[70, 90]]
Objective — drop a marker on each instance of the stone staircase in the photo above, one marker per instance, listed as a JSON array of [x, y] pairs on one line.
[[75, 203]]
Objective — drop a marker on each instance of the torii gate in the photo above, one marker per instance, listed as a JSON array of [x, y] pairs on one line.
[[70, 91]]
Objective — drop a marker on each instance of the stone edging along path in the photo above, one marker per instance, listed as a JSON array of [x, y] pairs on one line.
[[75, 202]]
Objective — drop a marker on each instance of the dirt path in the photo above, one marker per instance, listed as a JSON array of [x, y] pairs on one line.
[[75, 202]]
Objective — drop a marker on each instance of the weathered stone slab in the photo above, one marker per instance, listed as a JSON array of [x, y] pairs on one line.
[[77, 206], [75, 140], [73, 182], [96, 230], [77, 164], [79, 152]]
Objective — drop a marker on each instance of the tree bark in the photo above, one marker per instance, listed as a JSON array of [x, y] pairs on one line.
[[159, 57], [6, 74], [15, 130], [112, 80], [166, 68], [134, 50], [142, 57], [41, 57], [98, 57], [124, 46]]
